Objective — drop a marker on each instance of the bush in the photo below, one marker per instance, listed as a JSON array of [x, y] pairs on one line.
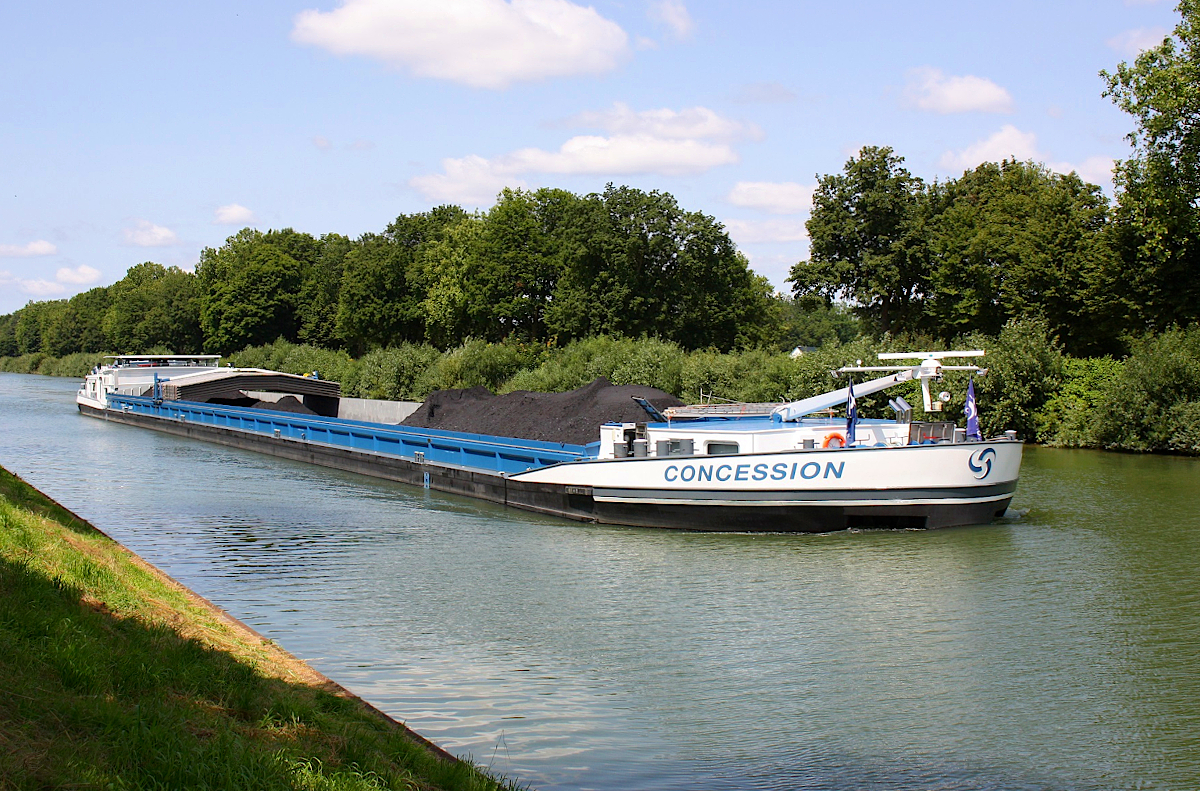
[[23, 364], [1025, 368], [759, 375], [1152, 404], [1184, 422], [480, 364], [76, 366], [623, 361], [1068, 418], [394, 373], [736, 377]]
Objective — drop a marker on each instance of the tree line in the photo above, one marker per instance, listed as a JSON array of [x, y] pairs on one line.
[[538, 265], [1013, 239]]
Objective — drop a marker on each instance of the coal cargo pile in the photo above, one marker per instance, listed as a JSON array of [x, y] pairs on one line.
[[286, 404], [573, 417]]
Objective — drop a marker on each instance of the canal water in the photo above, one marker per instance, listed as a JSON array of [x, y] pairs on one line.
[[1060, 650]]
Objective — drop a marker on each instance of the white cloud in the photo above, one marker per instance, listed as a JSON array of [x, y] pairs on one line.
[[689, 123], [233, 214], [757, 231], [322, 143], [786, 197], [1132, 42], [673, 14], [663, 142], [930, 89], [621, 155], [35, 288], [481, 43], [1094, 170], [81, 275], [40, 247], [1097, 170], [472, 181], [41, 288], [1008, 143], [147, 234], [776, 266], [1011, 143]]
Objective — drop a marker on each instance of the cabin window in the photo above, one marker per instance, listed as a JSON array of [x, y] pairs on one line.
[[722, 448]]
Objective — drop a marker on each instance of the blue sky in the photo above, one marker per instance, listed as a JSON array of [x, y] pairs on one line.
[[138, 132]]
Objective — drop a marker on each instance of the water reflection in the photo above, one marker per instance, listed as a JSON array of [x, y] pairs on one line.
[[1057, 651]]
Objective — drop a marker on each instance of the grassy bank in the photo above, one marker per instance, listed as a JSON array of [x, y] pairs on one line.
[[114, 676]]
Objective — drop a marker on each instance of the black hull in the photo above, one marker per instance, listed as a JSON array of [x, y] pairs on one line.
[[575, 502]]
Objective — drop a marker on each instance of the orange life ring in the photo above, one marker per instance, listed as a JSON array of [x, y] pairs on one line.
[[832, 437]]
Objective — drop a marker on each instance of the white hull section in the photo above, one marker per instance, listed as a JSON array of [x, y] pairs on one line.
[[914, 475]]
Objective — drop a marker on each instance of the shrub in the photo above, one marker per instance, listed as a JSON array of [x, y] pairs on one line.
[[394, 373], [647, 361], [76, 365], [1184, 422], [1025, 368], [24, 364], [293, 358], [480, 364], [1068, 418], [1151, 404]]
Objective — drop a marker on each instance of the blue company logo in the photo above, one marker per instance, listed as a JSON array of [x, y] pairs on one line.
[[981, 462]]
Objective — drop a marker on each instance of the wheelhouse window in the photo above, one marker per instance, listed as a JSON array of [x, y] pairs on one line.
[[722, 448]]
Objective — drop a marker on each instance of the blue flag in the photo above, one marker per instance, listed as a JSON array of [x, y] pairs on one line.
[[851, 414], [972, 413]]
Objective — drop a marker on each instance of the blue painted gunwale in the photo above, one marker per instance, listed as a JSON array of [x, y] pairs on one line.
[[504, 455]]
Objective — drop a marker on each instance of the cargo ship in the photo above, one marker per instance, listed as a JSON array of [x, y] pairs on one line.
[[787, 467]]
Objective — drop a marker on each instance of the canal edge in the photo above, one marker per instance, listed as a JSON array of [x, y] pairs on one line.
[[297, 669]]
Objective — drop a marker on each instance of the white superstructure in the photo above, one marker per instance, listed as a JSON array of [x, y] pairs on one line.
[[135, 374]]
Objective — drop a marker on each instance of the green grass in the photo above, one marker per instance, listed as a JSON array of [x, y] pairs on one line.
[[113, 676]]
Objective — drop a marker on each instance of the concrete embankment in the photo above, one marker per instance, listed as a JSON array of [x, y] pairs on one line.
[[113, 675]]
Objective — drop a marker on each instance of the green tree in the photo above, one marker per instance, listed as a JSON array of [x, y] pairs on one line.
[[89, 310], [1012, 239], [810, 321], [520, 261], [27, 331], [636, 264], [301, 247], [319, 293], [865, 232], [249, 290], [8, 336], [1157, 224], [57, 328], [380, 297], [153, 306], [445, 269]]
